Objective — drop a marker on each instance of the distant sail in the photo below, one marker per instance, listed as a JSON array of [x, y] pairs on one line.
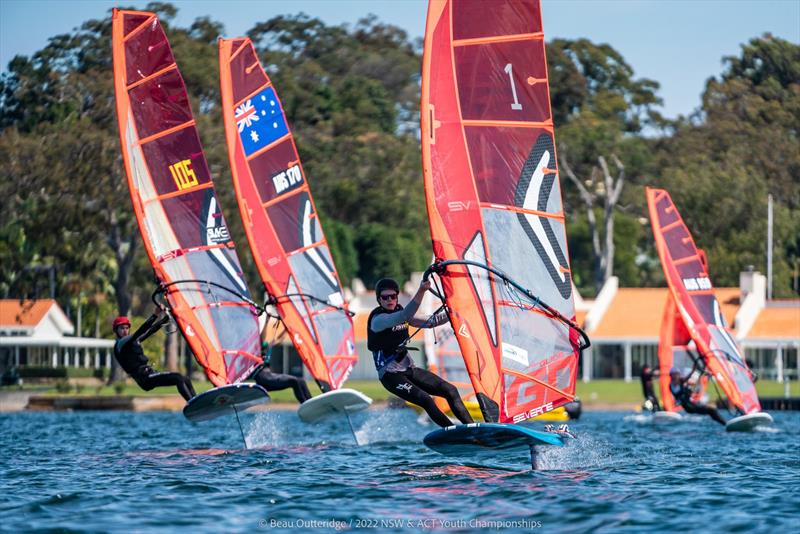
[[182, 226], [494, 204], [280, 219], [676, 349], [693, 296]]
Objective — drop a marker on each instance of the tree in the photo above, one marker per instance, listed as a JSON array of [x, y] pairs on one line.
[[742, 145], [599, 110]]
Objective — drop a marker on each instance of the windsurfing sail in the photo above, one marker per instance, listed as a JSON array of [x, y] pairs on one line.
[[676, 349], [494, 205], [280, 219], [180, 220], [693, 297], [444, 359]]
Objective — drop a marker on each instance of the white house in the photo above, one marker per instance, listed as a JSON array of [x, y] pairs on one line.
[[38, 333]]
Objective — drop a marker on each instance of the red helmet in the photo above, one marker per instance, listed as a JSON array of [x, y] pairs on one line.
[[119, 321]]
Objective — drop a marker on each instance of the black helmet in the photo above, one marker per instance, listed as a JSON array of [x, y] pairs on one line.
[[384, 284]]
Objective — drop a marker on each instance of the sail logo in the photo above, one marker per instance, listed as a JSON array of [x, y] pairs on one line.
[[537, 182], [288, 179], [183, 174], [218, 234], [514, 353], [697, 284], [460, 205], [462, 331], [533, 413]]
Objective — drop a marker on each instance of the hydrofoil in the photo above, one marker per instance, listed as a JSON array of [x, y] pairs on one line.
[[332, 403], [223, 400]]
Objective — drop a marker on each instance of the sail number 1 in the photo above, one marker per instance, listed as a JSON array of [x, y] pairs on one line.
[[515, 105], [183, 174]]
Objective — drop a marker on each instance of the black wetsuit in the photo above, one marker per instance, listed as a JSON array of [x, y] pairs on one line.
[[683, 396], [647, 387], [406, 381], [128, 352], [277, 381]]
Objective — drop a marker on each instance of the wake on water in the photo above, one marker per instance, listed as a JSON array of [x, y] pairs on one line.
[[400, 427], [275, 429]]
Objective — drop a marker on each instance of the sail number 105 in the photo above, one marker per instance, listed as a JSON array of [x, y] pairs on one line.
[[183, 174]]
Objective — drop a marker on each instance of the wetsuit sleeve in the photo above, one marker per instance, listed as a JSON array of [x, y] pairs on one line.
[[388, 320], [149, 327], [432, 321]]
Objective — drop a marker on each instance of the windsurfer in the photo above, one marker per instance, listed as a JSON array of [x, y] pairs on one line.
[[128, 352], [650, 400], [682, 391], [387, 335], [271, 381]]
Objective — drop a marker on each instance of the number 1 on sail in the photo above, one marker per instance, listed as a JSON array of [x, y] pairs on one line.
[[516, 105]]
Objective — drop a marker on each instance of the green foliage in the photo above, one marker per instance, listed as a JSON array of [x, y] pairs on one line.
[[351, 95], [341, 240], [63, 386], [42, 372], [385, 251], [720, 168]]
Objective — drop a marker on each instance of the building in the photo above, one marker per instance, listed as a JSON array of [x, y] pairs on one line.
[[38, 333], [624, 326]]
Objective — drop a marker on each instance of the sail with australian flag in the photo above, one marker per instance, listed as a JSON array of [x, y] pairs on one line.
[[280, 218], [494, 205], [180, 220]]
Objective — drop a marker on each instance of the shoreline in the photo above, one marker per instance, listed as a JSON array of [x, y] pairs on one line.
[[20, 401]]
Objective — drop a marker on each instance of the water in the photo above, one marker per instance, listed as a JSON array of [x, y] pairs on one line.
[[156, 472]]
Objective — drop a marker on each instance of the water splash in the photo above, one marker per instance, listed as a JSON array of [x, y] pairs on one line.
[[384, 426], [266, 430]]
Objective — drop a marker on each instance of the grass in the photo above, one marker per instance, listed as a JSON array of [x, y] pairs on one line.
[[595, 392], [621, 392]]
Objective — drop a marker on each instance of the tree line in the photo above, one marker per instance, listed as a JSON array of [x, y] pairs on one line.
[[351, 95]]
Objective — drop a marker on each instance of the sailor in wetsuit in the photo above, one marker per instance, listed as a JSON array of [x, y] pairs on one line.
[[650, 400], [680, 389], [387, 333], [270, 381], [128, 352]]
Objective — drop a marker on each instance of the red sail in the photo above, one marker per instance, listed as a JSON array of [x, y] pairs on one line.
[[280, 219], [493, 198], [693, 296], [182, 226]]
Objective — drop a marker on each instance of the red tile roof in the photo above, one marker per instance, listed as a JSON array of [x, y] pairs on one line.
[[26, 314], [637, 311], [778, 321]]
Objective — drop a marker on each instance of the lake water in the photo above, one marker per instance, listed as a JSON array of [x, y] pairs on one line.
[[156, 472]]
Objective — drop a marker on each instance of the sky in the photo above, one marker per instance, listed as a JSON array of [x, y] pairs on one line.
[[678, 43]]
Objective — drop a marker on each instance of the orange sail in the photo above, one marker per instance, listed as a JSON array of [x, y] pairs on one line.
[[494, 204], [182, 226], [280, 219], [692, 297]]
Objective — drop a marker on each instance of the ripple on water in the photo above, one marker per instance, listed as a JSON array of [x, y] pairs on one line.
[[156, 472]]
